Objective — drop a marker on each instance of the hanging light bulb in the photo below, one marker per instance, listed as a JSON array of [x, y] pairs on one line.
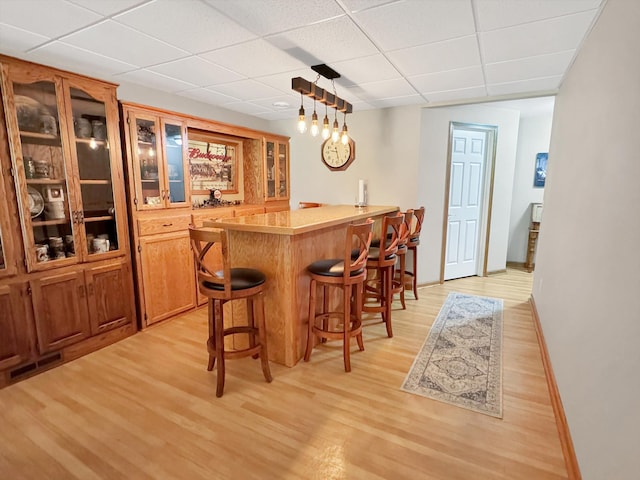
[[335, 135], [314, 121], [326, 133], [345, 135], [302, 125]]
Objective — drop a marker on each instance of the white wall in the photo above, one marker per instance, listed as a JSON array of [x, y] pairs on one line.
[[533, 137], [587, 277], [432, 179]]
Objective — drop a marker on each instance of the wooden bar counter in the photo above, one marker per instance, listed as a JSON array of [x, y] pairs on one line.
[[282, 244]]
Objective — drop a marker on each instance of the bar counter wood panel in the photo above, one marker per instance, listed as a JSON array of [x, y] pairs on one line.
[[282, 244]]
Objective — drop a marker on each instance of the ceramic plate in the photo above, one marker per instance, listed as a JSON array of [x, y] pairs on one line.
[[36, 202]]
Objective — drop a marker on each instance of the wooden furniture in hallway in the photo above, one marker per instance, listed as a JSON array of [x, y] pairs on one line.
[[221, 287]]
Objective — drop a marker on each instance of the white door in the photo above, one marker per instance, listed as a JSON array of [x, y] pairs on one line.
[[465, 203]]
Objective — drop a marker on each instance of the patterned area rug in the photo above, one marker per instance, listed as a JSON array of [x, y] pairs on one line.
[[460, 362]]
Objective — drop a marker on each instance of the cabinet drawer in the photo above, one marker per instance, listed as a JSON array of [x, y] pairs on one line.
[[151, 226]]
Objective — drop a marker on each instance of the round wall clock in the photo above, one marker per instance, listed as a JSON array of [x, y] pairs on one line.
[[338, 156]]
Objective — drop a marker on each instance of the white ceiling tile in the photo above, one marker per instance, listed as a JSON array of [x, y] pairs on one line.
[[278, 115], [266, 17], [246, 107], [506, 13], [461, 94], [60, 18], [195, 69], [293, 100], [358, 5], [546, 84], [188, 24], [406, 24], [372, 68], [265, 58], [398, 101], [208, 96], [386, 89], [436, 57], [155, 80], [114, 40], [531, 67], [450, 80], [78, 60], [538, 38], [247, 89], [328, 42], [15, 40], [110, 7]]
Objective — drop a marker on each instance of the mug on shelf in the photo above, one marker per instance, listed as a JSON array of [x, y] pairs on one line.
[[48, 125], [82, 127], [42, 169], [42, 252], [100, 245]]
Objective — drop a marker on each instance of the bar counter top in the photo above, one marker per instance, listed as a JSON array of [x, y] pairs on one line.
[[295, 222]]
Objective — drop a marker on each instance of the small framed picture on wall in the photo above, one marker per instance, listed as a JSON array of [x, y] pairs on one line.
[[541, 169]]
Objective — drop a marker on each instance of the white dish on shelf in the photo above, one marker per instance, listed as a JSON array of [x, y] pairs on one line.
[[36, 202]]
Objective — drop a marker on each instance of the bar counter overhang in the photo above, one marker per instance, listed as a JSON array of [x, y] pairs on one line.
[[282, 244]]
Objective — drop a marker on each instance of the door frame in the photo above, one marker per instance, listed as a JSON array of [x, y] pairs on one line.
[[487, 194]]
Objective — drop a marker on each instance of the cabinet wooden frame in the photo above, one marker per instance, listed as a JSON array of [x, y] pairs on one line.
[[53, 312]]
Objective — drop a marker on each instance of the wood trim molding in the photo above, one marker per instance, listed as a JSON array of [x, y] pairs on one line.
[[570, 460]]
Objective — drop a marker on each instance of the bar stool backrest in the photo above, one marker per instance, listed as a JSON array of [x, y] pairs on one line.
[[391, 232], [357, 250], [204, 241], [418, 215]]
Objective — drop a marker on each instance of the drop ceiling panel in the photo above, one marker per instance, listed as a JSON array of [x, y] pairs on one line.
[[188, 24], [436, 57], [537, 38], [208, 96], [526, 68], [506, 13], [155, 80], [61, 16], [79, 60], [246, 107], [108, 8], [398, 101], [450, 80], [16, 41], [546, 84], [117, 41], [406, 24], [328, 42], [457, 95], [361, 70], [368, 92], [358, 5], [195, 69], [265, 58], [247, 90], [273, 16]]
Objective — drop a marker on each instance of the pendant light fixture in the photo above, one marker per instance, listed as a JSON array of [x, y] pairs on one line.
[[330, 100]]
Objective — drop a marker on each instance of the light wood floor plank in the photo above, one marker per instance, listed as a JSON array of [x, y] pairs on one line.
[[145, 408]]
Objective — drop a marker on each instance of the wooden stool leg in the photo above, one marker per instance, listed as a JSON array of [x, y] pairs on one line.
[[402, 267], [211, 342], [388, 297], [346, 328], [219, 336], [252, 324], [312, 317], [415, 272], [359, 294], [262, 335], [325, 309]]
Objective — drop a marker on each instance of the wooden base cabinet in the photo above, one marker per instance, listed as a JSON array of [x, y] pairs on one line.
[[167, 272], [66, 282]]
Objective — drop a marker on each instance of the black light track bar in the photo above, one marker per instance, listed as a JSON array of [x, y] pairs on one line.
[[312, 90]]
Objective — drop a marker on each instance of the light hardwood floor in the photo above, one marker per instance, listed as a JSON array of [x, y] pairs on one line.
[[145, 408]]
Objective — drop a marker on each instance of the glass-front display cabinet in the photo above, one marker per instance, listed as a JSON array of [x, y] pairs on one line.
[[158, 151], [276, 170], [63, 165]]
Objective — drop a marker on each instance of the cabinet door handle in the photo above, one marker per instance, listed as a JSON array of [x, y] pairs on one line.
[[81, 291], [167, 224], [91, 289]]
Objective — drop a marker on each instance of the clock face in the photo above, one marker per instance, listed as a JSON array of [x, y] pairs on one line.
[[336, 155]]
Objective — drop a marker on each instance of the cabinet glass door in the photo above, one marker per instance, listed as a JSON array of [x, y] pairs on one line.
[[48, 219], [283, 190], [270, 157], [147, 165], [174, 156], [92, 155]]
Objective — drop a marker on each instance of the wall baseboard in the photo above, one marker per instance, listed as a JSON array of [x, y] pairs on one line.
[[570, 460]]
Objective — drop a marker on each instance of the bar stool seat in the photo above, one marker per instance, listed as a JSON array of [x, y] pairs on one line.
[[222, 286], [347, 273]]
